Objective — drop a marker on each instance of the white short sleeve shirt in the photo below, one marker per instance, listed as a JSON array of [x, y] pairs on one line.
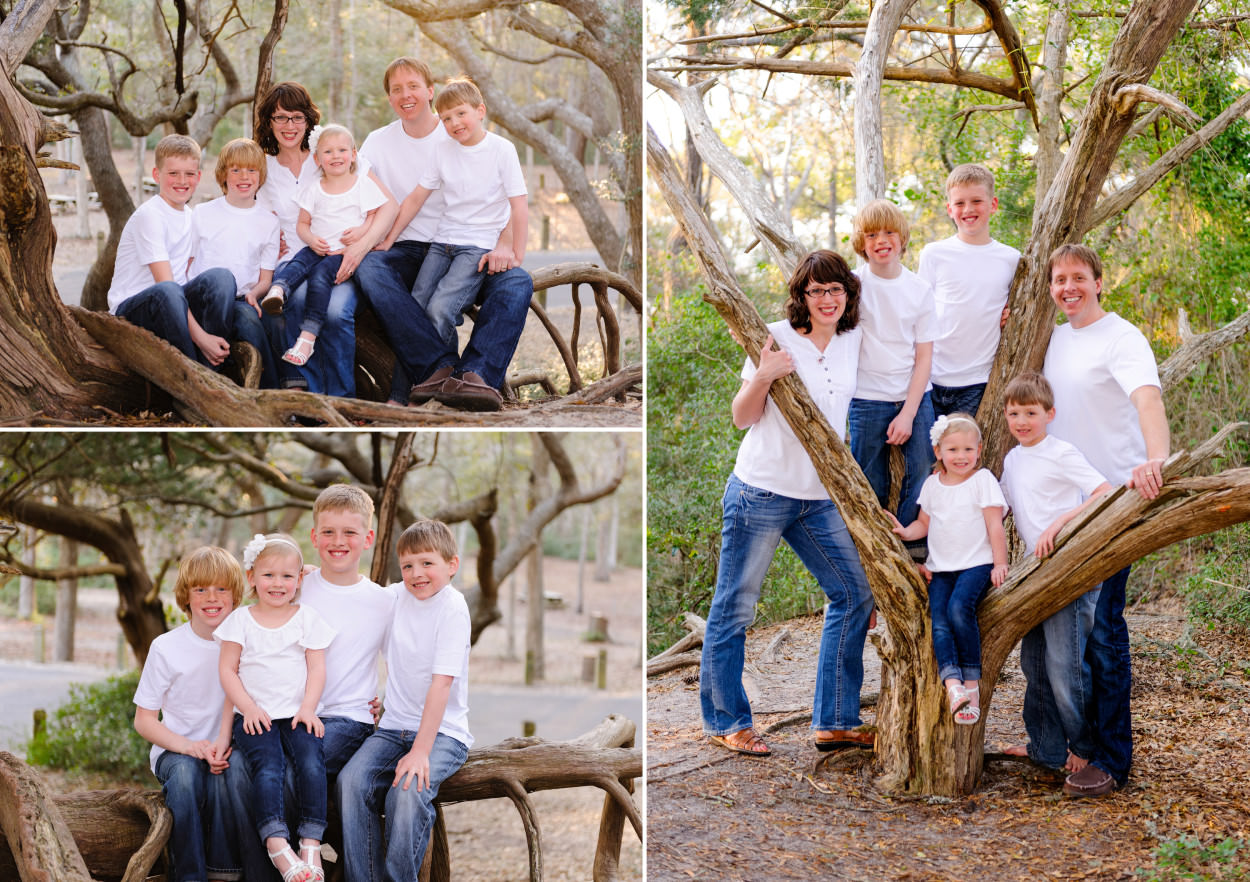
[[399, 160], [895, 315], [180, 680], [332, 213], [242, 240], [1043, 482], [273, 665], [477, 183], [156, 231]]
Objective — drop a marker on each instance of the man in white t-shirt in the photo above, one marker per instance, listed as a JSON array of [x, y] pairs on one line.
[[399, 152]]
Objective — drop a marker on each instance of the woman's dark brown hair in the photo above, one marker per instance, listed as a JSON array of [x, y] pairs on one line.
[[293, 98], [822, 267]]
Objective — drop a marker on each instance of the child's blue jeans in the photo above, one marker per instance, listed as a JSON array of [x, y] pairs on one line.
[[319, 272], [162, 309], [868, 421], [365, 793], [447, 285], [953, 599], [266, 755], [202, 837]]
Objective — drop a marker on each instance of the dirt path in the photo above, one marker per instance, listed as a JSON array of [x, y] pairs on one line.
[[712, 814]]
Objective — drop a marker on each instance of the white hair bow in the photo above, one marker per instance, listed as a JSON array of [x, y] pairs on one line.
[[938, 427], [314, 136]]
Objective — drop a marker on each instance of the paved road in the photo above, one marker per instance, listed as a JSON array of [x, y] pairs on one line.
[[25, 686]]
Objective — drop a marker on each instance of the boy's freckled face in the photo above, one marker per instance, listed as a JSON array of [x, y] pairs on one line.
[[970, 207], [464, 123], [409, 94], [340, 538], [1027, 422], [884, 248], [426, 573], [242, 183], [176, 179], [209, 605]]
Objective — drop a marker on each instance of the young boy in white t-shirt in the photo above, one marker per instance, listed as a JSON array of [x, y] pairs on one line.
[[891, 406], [480, 176], [151, 287], [423, 737], [970, 273], [1047, 482], [180, 707]]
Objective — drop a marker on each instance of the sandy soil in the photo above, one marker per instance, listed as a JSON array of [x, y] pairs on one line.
[[712, 814], [487, 839]]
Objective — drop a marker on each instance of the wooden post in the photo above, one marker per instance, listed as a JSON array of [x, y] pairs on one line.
[[589, 666], [599, 626], [529, 728], [602, 670], [39, 641]]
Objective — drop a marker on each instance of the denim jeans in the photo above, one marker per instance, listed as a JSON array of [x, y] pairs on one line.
[[162, 309], [956, 399], [755, 522], [1057, 683], [250, 327], [202, 836], [447, 284], [1110, 719], [266, 755], [868, 421], [365, 793], [332, 368], [953, 599], [386, 279]]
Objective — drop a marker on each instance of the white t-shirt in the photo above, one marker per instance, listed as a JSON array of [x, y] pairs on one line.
[[1043, 482], [360, 614], [180, 680], [970, 284], [427, 637], [1093, 370], [770, 456], [273, 665], [477, 183], [156, 231], [895, 315], [958, 538], [242, 240], [278, 196], [398, 160], [332, 213]]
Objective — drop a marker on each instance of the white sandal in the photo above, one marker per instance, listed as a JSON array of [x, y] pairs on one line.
[[274, 300], [296, 871], [300, 352], [967, 714], [307, 852]]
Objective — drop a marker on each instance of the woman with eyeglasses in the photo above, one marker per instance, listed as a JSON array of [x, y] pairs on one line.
[[775, 493]]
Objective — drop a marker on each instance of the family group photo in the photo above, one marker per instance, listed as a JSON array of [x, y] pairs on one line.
[[947, 440]]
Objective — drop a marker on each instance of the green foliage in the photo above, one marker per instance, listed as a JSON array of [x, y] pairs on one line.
[[94, 731], [1218, 588], [45, 597], [1186, 858]]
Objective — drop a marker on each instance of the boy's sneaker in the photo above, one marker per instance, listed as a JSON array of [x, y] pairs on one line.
[[1090, 781], [274, 300]]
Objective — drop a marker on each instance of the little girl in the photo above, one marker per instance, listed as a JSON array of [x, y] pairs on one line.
[[333, 212], [961, 511], [272, 667]]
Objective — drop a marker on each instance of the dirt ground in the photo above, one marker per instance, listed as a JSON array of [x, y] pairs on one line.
[[712, 814], [486, 837]]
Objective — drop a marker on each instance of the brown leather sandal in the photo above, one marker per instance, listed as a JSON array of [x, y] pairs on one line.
[[744, 741]]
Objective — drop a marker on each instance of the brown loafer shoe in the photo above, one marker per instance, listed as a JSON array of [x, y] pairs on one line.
[[424, 391], [1089, 781], [469, 392], [841, 739]]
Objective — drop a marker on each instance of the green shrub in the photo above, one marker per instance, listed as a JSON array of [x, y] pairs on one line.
[[1218, 588], [1186, 858], [94, 731]]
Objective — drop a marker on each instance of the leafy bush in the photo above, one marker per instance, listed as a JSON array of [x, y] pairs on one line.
[[1218, 588], [1186, 858], [94, 731]]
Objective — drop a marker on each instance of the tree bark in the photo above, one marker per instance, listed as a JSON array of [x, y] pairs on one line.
[[535, 666]]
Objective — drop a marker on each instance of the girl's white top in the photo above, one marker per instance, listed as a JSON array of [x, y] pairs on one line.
[[273, 664], [180, 680], [1093, 371], [332, 213], [278, 196], [770, 456], [958, 538]]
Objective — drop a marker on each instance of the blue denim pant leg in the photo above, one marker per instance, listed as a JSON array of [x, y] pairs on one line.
[[752, 523], [198, 801], [381, 276], [1057, 683], [820, 538], [162, 309], [953, 599], [249, 327], [266, 761], [868, 422], [317, 301], [503, 307], [447, 285], [294, 271], [343, 737], [252, 852], [956, 399], [1111, 678], [332, 368]]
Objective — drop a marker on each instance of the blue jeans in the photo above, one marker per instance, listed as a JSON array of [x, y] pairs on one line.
[[868, 421], [266, 756], [199, 801], [953, 599], [1110, 720], [251, 328], [1057, 683], [956, 399], [386, 279], [162, 309], [365, 793], [332, 368], [447, 284], [755, 521]]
